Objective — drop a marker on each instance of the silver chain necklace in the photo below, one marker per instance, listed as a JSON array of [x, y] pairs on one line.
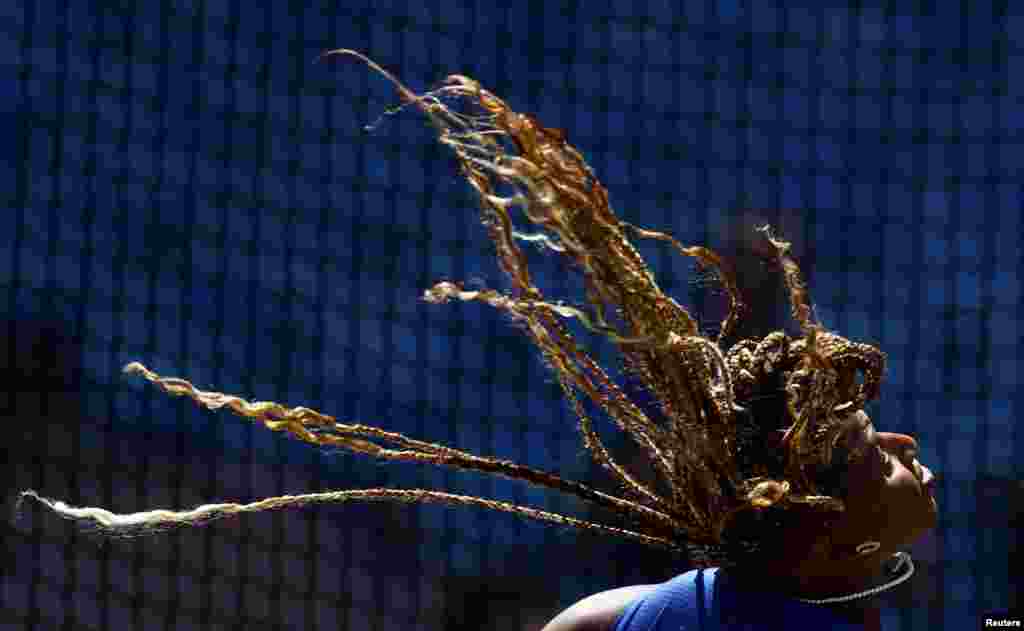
[[902, 558]]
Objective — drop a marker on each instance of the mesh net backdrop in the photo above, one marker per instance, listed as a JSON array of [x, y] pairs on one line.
[[185, 187]]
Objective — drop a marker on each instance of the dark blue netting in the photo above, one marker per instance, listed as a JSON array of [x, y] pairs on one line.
[[185, 187]]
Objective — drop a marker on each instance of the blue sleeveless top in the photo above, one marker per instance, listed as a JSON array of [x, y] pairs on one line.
[[697, 601]]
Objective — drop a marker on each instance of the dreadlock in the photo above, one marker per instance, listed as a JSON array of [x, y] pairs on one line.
[[728, 489]]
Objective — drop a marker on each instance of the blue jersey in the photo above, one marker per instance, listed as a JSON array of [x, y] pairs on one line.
[[697, 601]]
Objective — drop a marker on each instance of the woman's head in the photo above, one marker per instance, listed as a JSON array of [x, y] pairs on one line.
[[887, 504], [887, 492], [815, 468]]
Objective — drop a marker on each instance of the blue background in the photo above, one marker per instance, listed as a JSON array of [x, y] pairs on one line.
[[186, 187]]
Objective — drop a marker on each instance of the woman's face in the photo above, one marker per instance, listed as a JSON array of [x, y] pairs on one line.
[[889, 493]]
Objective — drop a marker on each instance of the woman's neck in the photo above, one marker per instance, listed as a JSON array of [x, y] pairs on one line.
[[864, 611]]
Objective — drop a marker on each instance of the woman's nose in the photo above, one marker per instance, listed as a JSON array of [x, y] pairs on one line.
[[897, 442]]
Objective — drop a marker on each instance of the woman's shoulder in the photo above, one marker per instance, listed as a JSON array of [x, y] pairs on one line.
[[600, 611]]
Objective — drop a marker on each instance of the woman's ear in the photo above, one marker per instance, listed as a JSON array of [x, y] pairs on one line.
[[844, 552], [851, 551]]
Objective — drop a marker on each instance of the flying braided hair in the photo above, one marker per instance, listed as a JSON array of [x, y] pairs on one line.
[[730, 485]]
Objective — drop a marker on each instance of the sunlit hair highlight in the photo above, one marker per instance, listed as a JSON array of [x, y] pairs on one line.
[[710, 450]]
